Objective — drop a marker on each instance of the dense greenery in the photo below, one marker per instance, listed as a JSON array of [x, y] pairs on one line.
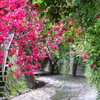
[[15, 85], [53, 28], [86, 13]]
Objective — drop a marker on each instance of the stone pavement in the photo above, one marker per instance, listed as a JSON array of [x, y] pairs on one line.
[[59, 86], [44, 93], [38, 94]]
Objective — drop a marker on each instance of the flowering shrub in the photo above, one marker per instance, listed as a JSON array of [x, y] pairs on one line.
[[30, 43], [33, 40], [96, 16], [86, 13], [92, 66], [71, 52]]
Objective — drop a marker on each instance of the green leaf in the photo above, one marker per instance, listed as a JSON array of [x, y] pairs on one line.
[[40, 1], [41, 16], [43, 32], [41, 7]]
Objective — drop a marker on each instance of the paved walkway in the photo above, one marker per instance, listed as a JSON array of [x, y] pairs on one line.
[[43, 93], [55, 85]]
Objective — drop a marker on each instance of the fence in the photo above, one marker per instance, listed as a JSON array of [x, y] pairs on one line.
[[5, 47]]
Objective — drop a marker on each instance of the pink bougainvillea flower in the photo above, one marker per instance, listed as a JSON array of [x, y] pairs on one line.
[[10, 64], [12, 52], [3, 3], [71, 21], [1, 57], [69, 39], [72, 1], [85, 57], [81, 54], [71, 52], [1, 60], [88, 52], [36, 6], [68, 28], [2, 12], [78, 30], [70, 43], [96, 16], [28, 44], [1, 54], [16, 74], [92, 66], [80, 47], [53, 62]]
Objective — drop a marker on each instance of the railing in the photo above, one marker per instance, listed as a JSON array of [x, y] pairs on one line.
[[5, 48]]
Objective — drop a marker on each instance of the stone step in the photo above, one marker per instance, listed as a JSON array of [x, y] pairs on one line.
[[5, 68], [0, 68], [0, 78], [4, 73], [2, 83], [3, 99], [1, 94], [1, 89], [2, 86]]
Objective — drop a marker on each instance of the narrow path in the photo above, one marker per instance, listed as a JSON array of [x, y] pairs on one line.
[[74, 89], [61, 88]]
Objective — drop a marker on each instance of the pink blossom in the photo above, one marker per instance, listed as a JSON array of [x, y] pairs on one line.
[[10, 64], [2, 12], [92, 66], [1, 57], [85, 57], [53, 62], [81, 54], [88, 52], [54, 46], [70, 43], [71, 21], [16, 74], [78, 30], [1, 60], [3, 3], [80, 47], [96, 16], [12, 52], [71, 52], [68, 28], [35, 6], [29, 44], [1, 54]]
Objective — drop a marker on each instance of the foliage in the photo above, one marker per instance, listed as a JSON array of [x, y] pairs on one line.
[[87, 13], [32, 42], [82, 10], [94, 47], [75, 30], [15, 84]]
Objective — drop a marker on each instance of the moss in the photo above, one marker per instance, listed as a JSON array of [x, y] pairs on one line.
[[15, 84]]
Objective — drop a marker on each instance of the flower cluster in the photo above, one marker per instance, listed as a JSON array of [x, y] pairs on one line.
[[71, 52], [92, 66], [1, 57], [86, 55], [96, 16], [30, 44]]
